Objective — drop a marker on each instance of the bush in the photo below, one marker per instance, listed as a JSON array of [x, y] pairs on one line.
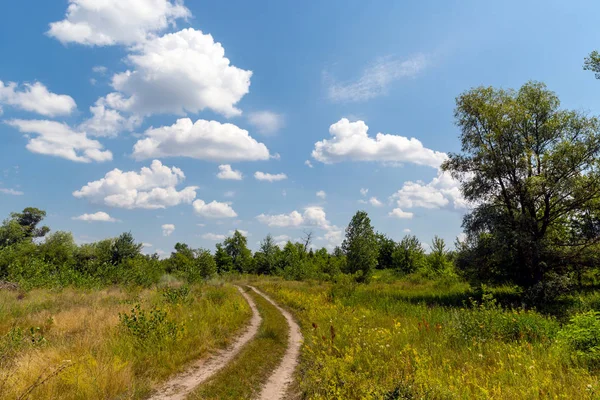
[[150, 328], [179, 295], [581, 338], [486, 320]]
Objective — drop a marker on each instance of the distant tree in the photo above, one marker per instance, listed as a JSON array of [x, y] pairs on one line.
[[29, 220], [22, 226], [438, 258], [58, 249], [408, 255], [592, 63], [266, 257], [386, 249], [360, 247], [124, 247], [223, 260], [205, 263], [532, 173], [241, 257]]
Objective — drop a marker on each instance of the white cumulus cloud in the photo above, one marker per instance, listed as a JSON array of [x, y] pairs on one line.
[[213, 236], [109, 22], [204, 140], [266, 122], [442, 191], [58, 139], [36, 98], [99, 216], [214, 209], [308, 164], [180, 72], [226, 172], [151, 188], [108, 122], [167, 229], [374, 202], [263, 176], [376, 79], [350, 142], [321, 194], [398, 213]]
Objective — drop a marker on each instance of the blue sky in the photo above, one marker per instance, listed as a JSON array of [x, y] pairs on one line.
[[270, 97]]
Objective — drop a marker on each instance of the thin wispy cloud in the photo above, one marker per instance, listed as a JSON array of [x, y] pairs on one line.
[[376, 79]]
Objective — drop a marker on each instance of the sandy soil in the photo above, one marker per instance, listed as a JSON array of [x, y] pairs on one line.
[[181, 385], [279, 383]]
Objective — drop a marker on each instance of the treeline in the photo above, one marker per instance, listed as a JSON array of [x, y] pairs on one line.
[[33, 256]]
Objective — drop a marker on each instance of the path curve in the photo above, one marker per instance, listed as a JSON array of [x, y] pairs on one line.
[[183, 384], [280, 380]]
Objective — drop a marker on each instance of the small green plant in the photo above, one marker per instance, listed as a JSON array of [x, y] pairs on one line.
[[180, 295], [581, 338], [150, 326]]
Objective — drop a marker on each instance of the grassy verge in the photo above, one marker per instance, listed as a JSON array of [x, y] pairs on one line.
[[111, 343], [244, 376], [395, 341]]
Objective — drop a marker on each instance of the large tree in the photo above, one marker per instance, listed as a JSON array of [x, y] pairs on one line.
[[236, 247], [360, 247], [530, 170]]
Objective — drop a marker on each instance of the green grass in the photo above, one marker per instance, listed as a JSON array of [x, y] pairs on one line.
[[245, 375], [42, 331], [415, 339]]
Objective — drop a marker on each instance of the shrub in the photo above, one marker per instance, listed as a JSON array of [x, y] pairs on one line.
[[151, 327], [581, 338], [179, 295]]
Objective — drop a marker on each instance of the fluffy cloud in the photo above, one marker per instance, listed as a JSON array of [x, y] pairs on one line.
[[167, 229], [214, 209], [321, 194], [375, 79], [180, 72], [213, 236], [204, 140], [109, 22], [406, 230], [100, 216], [36, 98], [266, 122], [364, 191], [263, 176], [351, 142], [226, 172], [151, 188], [442, 191], [108, 122], [11, 192], [398, 213], [58, 139], [311, 217], [374, 202], [308, 164]]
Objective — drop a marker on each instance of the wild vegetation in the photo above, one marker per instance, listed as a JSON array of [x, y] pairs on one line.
[[510, 311]]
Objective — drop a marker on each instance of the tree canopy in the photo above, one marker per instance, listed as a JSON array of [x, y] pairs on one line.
[[531, 172]]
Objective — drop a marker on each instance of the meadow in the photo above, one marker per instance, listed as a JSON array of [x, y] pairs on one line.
[[412, 339], [110, 343]]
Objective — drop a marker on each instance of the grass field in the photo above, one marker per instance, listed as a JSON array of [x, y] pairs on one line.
[[111, 343], [403, 340]]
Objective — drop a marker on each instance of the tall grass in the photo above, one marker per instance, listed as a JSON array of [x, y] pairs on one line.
[[415, 340], [80, 344]]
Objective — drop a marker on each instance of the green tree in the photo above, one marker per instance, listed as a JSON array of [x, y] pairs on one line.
[[592, 63], [266, 257], [386, 249], [205, 263], [408, 255], [124, 247], [360, 247], [22, 226], [531, 171], [223, 260], [438, 259], [236, 248]]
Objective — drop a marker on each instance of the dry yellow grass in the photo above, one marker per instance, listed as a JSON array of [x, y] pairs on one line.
[[73, 342]]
